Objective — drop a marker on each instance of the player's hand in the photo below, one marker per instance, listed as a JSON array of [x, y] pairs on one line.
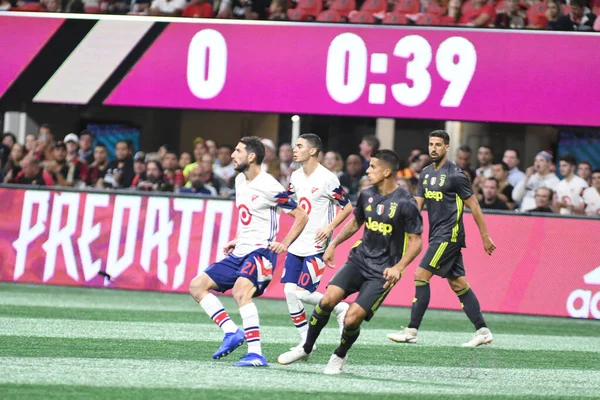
[[328, 257], [229, 247], [277, 247], [392, 276], [488, 245], [323, 234]]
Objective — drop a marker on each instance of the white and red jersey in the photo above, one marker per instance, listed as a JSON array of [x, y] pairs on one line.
[[570, 192], [318, 195], [591, 198], [259, 205]]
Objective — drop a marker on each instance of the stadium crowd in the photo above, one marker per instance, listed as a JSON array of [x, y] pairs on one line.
[[561, 15], [207, 170]]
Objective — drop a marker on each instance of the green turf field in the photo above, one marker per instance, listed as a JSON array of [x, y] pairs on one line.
[[62, 343]]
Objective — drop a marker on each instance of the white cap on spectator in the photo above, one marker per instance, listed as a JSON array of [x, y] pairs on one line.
[[269, 143], [71, 137]]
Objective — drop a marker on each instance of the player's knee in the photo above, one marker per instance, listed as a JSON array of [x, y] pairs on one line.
[[199, 287], [303, 294], [242, 294], [353, 319], [422, 274], [290, 289]]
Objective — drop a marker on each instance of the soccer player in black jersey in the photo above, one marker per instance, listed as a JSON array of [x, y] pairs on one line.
[[445, 189], [391, 241]]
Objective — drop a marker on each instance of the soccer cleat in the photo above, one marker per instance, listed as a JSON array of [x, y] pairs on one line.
[[231, 342], [482, 336], [301, 345], [406, 335], [295, 354], [340, 317], [335, 365], [252, 360]]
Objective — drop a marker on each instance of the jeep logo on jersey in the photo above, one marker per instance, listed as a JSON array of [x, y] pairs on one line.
[[384, 229], [583, 303], [244, 213], [433, 194], [380, 209]]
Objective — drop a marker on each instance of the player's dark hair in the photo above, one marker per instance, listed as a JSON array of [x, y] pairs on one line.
[[390, 158], [504, 166], [596, 171], [100, 144], [569, 158], [579, 3], [442, 135], [373, 142], [226, 146], [586, 163], [493, 179], [465, 149], [485, 146], [314, 141], [550, 191], [254, 145], [516, 153], [86, 132], [46, 126]]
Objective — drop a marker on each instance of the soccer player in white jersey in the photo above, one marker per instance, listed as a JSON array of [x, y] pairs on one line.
[[251, 256], [317, 190]]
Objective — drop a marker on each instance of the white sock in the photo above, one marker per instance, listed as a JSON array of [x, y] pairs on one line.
[[249, 315], [315, 297], [215, 310], [296, 309]]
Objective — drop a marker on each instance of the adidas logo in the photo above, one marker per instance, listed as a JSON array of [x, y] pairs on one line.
[[583, 303]]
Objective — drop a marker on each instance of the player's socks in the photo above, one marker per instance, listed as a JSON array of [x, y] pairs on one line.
[[215, 310], [249, 315], [296, 309], [349, 336], [471, 307], [318, 320], [315, 297], [420, 303]]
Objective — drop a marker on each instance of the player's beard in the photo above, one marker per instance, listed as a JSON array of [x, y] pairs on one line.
[[242, 167]]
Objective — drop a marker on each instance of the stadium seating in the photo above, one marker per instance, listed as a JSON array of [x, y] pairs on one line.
[[329, 16], [395, 18], [362, 17], [343, 7]]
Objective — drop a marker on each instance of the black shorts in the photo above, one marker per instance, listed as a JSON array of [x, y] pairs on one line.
[[352, 278], [444, 259]]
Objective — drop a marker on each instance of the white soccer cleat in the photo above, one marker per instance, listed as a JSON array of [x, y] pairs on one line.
[[295, 354], [340, 317], [406, 335], [482, 336], [335, 365], [301, 346]]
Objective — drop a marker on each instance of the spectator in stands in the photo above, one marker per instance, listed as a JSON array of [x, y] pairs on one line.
[[513, 159], [211, 145], [287, 163], [72, 144], [539, 175], [350, 180], [584, 171], [463, 161], [490, 196], [5, 5], [512, 17], [98, 167], [224, 171], [368, 146], [171, 8], [271, 163], [12, 167], [553, 13], [333, 162], [44, 149], [66, 173], [206, 167], [9, 140], [278, 10], [363, 183], [197, 185], [32, 174], [184, 160], [120, 172], [485, 156], [139, 168], [403, 183], [51, 5], [452, 16], [244, 9], [200, 148], [570, 188], [505, 189], [4, 154], [411, 174], [86, 141], [154, 180], [543, 200], [171, 172], [30, 143], [591, 197], [198, 9], [579, 19], [480, 14]]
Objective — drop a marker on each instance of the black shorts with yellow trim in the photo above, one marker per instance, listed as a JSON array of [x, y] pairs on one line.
[[353, 278], [444, 259]]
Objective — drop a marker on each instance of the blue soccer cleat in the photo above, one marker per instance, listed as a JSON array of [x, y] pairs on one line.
[[252, 360], [231, 342]]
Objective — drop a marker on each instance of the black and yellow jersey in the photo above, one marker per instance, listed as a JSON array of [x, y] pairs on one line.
[[388, 221], [444, 191]]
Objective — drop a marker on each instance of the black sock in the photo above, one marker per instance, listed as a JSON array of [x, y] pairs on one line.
[[420, 303], [349, 336], [470, 306], [318, 320]]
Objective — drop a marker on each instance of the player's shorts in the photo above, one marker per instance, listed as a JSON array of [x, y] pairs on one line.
[[306, 272], [371, 293], [444, 259], [257, 267]]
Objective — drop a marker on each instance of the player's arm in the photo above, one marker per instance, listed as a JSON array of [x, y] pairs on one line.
[[420, 202], [420, 195], [338, 195], [473, 204], [300, 220], [230, 246]]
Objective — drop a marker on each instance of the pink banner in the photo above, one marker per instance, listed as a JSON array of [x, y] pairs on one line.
[[21, 39], [380, 71], [542, 266]]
